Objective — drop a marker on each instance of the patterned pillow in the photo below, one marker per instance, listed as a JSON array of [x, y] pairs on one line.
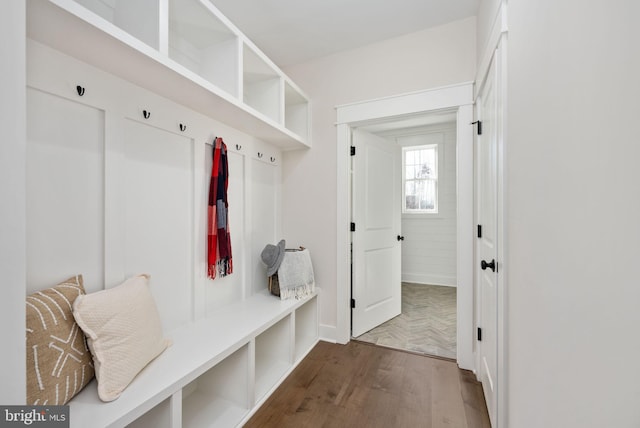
[[59, 363]]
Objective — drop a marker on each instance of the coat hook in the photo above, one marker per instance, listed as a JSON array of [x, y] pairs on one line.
[[260, 155], [146, 114], [183, 127], [272, 159], [238, 147], [80, 90]]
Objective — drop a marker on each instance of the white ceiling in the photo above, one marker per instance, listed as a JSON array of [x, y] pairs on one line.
[[295, 31]]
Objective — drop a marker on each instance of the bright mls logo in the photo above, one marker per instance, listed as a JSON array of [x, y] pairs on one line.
[[34, 416]]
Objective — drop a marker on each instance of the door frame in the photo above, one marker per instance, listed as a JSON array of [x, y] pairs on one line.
[[458, 98]]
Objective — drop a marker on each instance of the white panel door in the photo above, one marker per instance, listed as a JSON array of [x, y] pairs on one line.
[[487, 244], [376, 285]]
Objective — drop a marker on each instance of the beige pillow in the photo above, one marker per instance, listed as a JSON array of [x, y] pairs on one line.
[[124, 333], [58, 361]]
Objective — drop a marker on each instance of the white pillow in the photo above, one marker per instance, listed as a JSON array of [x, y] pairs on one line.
[[123, 330]]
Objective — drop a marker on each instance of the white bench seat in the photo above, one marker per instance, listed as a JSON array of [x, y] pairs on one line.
[[196, 348]]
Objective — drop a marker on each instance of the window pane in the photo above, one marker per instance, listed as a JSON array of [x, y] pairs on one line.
[[427, 195], [420, 176], [411, 201]]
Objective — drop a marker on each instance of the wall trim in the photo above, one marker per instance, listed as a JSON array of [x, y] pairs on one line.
[[456, 97], [426, 279]]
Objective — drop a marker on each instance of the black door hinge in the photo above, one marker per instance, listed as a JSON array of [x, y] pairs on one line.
[[479, 122], [479, 231], [353, 227], [353, 150], [479, 334], [353, 303]]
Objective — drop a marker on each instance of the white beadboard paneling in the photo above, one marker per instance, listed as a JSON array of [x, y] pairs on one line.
[[145, 209], [65, 191], [158, 193], [263, 218], [429, 248], [224, 291]]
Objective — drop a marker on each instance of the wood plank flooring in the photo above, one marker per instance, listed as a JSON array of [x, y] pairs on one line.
[[363, 385], [427, 324]]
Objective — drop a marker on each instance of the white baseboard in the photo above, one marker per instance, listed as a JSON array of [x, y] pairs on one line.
[[328, 333], [418, 278]]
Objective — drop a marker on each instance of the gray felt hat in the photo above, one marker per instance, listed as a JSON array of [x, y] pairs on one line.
[[272, 256]]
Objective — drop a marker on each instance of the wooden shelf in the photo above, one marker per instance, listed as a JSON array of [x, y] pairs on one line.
[[177, 65]]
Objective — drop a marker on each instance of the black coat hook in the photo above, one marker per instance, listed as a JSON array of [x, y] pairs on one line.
[[272, 159], [260, 155], [80, 90], [183, 127], [146, 114], [238, 147]]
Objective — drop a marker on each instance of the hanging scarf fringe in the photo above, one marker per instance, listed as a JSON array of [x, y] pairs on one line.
[[219, 258]]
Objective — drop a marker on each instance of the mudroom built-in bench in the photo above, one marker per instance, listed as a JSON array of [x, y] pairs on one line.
[[124, 101]]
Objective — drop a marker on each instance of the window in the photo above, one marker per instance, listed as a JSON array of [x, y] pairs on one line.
[[420, 179]]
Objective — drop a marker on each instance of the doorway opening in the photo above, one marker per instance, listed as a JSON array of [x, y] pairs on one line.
[[457, 101], [426, 144]]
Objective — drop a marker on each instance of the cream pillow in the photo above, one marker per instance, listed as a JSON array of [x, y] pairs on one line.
[[123, 330]]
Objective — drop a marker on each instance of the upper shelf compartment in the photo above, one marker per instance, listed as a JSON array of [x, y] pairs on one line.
[[184, 50], [203, 44], [262, 85], [140, 18]]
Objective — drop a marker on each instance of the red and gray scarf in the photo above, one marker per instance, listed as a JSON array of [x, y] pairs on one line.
[[219, 248]]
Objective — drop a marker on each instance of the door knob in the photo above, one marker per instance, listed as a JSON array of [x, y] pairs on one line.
[[492, 265], [400, 238]]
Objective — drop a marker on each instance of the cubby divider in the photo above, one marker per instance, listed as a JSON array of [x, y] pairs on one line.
[[306, 328], [273, 356]]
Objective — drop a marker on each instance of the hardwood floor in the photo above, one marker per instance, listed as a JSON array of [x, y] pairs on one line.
[[427, 324], [363, 385]]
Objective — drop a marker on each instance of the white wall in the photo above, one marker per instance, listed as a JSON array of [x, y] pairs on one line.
[[573, 206], [429, 247], [431, 58], [12, 207]]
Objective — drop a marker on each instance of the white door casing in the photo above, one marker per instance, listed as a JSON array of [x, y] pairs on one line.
[[487, 244], [376, 247]]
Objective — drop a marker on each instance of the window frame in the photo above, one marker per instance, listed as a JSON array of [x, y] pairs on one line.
[[436, 180]]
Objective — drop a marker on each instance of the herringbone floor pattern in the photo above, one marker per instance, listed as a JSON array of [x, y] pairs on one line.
[[427, 324]]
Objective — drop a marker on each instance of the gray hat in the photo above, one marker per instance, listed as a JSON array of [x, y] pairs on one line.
[[272, 256]]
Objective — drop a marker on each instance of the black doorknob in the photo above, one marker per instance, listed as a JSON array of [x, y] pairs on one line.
[[400, 238], [492, 265]]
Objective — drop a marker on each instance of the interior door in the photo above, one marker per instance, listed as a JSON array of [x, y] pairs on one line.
[[376, 283], [487, 250]]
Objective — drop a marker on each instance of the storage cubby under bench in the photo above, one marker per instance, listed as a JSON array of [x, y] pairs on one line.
[[217, 372]]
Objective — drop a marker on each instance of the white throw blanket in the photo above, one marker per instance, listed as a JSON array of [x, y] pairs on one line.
[[295, 275]]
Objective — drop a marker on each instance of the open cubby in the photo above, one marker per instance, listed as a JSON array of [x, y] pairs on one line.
[[306, 327], [201, 42], [220, 396], [140, 18], [262, 85], [161, 416], [273, 356], [296, 111]]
